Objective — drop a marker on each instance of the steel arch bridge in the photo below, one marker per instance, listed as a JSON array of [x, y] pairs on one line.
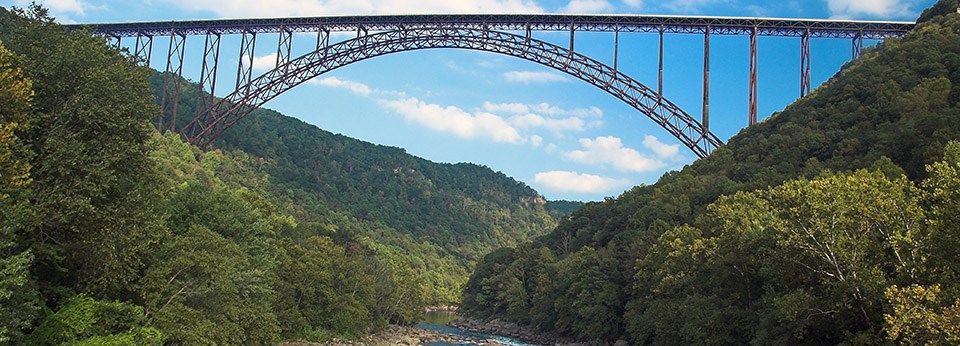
[[489, 33]]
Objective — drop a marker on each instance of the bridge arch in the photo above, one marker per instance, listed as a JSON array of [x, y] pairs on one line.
[[226, 112]]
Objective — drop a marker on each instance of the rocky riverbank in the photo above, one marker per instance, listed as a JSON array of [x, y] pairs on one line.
[[525, 333], [398, 335]]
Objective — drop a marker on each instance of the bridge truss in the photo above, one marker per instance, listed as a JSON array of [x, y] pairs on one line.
[[491, 33]]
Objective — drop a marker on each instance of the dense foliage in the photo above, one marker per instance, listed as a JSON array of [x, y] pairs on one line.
[[111, 233], [114, 234], [833, 221], [437, 219]]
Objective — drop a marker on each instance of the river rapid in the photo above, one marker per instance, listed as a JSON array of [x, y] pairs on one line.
[[439, 321]]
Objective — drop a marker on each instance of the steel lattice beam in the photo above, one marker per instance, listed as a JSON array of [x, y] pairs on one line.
[[817, 28], [804, 65], [208, 72], [857, 46], [248, 44], [171, 98], [805, 29], [284, 43], [752, 102], [706, 83], [237, 105], [143, 49]]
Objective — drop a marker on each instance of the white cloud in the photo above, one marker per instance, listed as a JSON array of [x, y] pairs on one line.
[[546, 116], [531, 120], [536, 141], [587, 6], [333, 82], [528, 77], [454, 120], [874, 8], [289, 8], [636, 4], [661, 149], [542, 108], [610, 150], [264, 63], [562, 181], [60, 9], [60, 6]]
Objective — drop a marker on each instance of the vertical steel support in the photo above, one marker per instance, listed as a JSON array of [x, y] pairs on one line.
[[805, 63], [248, 45], [144, 48], [706, 81], [660, 70], [208, 73], [616, 49], [529, 34], [284, 43], [323, 38], [571, 38], [752, 103], [170, 98], [857, 45]]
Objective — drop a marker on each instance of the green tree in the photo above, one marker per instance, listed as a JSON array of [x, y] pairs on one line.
[[86, 321], [18, 297], [942, 199], [918, 318], [93, 181]]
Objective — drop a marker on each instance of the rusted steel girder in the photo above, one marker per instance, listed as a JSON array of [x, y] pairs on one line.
[[174, 71], [208, 72], [857, 46], [753, 97], [284, 44], [817, 28], [143, 49], [237, 105], [805, 65], [706, 83]]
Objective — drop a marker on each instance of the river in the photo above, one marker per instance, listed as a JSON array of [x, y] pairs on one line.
[[438, 320]]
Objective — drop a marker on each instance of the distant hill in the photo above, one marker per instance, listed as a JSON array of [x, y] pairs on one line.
[[401, 200], [657, 265]]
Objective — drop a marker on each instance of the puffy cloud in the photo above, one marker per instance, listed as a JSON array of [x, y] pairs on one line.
[[873, 8], [542, 108], [289, 8], [455, 121], [333, 82], [587, 6], [536, 141], [562, 181], [636, 4], [557, 126], [60, 9], [610, 150], [264, 63], [529, 77], [662, 150]]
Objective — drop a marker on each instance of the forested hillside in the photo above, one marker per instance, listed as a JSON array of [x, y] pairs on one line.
[[114, 234], [441, 217], [833, 221]]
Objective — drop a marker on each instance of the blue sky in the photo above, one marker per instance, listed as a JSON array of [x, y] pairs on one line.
[[563, 137]]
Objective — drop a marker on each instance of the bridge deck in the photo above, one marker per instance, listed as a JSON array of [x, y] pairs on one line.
[[522, 22]]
